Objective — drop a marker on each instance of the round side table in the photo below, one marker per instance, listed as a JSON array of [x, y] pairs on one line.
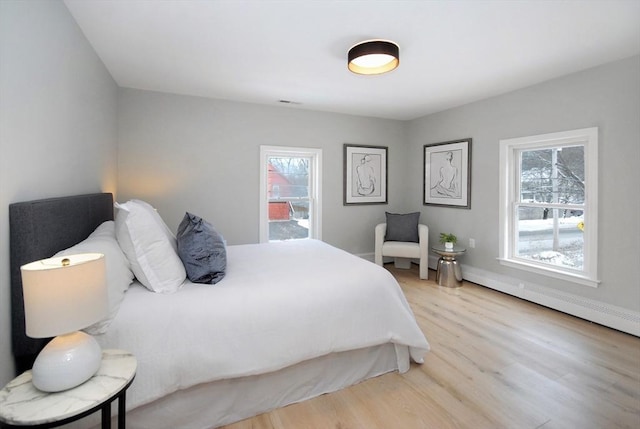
[[22, 405], [448, 272]]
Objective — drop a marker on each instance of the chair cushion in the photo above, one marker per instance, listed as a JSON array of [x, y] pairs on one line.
[[401, 249], [402, 227]]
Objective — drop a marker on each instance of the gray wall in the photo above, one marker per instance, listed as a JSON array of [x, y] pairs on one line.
[[607, 97], [58, 125], [200, 155]]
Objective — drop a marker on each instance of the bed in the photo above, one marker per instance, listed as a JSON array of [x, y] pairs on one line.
[[281, 327]]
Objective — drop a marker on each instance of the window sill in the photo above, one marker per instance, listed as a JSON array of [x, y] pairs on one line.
[[550, 272]]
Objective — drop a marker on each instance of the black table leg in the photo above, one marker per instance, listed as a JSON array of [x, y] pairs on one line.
[[122, 404], [106, 415]]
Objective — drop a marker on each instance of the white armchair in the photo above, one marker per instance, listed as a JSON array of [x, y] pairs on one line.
[[402, 251]]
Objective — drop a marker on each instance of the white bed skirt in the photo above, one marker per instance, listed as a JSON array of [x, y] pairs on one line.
[[222, 402]]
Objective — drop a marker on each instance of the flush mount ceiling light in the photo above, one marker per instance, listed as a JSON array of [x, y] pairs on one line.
[[374, 57]]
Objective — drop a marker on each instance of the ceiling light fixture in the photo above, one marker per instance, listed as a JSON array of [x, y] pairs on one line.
[[374, 57]]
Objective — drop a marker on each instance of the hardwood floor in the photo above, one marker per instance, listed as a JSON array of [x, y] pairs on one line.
[[495, 362]]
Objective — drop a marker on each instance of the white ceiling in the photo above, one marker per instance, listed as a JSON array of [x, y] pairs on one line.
[[263, 51]]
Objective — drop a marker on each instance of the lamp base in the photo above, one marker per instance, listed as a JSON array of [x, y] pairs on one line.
[[66, 362]]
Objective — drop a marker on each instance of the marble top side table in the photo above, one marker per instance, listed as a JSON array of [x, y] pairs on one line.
[[22, 405]]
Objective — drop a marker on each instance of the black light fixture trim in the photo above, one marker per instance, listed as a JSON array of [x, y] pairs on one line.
[[372, 47]]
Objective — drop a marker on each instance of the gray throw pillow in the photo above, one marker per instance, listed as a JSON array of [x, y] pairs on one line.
[[201, 249], [402, 227]]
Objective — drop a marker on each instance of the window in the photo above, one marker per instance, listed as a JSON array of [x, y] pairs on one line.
[[289, 193], [548, 204]]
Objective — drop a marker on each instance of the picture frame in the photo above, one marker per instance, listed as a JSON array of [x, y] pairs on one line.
[[447, 174], [365, 174]]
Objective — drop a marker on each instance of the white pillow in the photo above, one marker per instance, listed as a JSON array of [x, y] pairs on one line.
[[150, 247], [119, 275]]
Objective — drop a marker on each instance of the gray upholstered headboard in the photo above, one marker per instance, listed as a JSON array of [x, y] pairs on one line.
[[39, 229]]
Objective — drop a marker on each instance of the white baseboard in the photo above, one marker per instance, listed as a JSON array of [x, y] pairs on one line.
[[608, 315]]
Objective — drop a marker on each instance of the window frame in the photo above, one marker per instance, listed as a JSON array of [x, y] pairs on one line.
[[315, 187], [510, 181]]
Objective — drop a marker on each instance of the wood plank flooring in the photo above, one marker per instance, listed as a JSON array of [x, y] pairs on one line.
[[495, 362]]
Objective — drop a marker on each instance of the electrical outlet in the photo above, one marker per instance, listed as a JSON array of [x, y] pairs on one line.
[[472, 243]]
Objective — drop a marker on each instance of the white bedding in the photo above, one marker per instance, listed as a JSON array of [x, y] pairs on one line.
[[279, 304]]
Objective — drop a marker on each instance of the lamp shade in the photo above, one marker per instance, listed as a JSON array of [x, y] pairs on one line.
[[64, 294], [373, 57]]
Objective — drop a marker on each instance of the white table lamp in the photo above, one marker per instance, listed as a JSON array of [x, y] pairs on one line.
[[61, 296]]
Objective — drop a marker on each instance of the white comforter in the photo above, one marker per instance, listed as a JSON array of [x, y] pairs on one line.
[[279, 304]]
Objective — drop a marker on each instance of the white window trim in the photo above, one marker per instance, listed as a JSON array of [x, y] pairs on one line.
[[508, 196], [315, 191]]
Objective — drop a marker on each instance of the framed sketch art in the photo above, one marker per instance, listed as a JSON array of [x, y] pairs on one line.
[[447, 174], [365, 174]]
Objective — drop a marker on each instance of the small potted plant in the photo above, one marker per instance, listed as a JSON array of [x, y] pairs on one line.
[[448, 240]]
